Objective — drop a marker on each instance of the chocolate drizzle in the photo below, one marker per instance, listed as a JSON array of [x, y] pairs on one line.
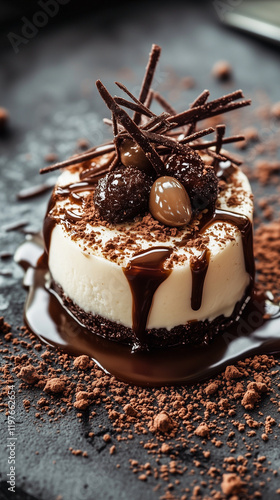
[[48, 226], [199, 267], [245, 227], [145, 273]]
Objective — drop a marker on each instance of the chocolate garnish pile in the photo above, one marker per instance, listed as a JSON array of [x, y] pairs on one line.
[[147, 147]]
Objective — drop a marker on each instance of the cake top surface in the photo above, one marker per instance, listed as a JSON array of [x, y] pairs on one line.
[[119, 242]]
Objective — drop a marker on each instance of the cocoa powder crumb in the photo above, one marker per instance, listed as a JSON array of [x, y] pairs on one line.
[[4, 118], [232, 372], [129, 410], [107, 438], [275, 110], [222, 70], [211, 388], [202, 430], [161, 422], [231, 484], [54, 386], [82, 362], [29, 374]]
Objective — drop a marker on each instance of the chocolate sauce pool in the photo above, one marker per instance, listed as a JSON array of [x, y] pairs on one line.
[[54, 325]]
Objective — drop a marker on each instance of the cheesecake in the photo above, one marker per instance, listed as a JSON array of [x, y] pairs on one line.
[[149, 236]]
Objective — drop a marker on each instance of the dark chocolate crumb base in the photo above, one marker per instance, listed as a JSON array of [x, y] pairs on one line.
[[193, 333]]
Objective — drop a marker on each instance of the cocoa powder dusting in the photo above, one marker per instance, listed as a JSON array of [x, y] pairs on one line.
[[227, 412]]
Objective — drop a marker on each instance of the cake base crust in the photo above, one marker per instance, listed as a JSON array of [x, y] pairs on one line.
[[193, 333]]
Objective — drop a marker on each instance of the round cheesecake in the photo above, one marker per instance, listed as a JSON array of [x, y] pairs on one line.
[[204, 276], [149, 236]]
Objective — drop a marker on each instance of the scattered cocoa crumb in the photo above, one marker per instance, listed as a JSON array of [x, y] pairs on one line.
[[82, 400], [83, 143], [29, 374], [51, 158], [82, 362], [129, 410], [161, 422], [202, 430], [4, 118], [232, 372], [275, 110], [211, 388], [54, 386], [231, 484], [222, 70]]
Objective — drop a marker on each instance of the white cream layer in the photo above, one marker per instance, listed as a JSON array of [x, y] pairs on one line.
[[99, 285]]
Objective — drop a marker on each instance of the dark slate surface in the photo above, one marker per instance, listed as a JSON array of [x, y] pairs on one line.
[[48, 88]]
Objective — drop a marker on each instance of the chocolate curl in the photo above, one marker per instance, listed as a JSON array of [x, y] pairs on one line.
[[166, 106], [222, 101], [220, 132], [143, 107], [95, 172], [157, 122], [185, 117], [148, 78], [117, 140], [89, 155], [107, 121], [227, 140], [165, 141], [199, 101], [115, 126], [213, 108], [230, 107], [115, 163], [224, 157], [149, 98], [133, 130], [197, 135], [139, 108]]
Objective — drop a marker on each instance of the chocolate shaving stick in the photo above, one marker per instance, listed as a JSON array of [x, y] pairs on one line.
[[197, 135], [227, 140], [148, 78], [220, 132], [149, 98], [131, 127], [143, 107], [139, 108], [107, 148], [166, 106], [199, 101]]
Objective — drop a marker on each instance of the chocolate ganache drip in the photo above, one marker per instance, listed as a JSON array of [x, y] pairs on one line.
[[243, 223], [145, 272], [199, 267]]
